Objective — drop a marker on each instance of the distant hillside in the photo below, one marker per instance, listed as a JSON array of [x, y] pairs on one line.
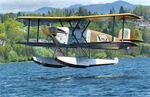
[[75, 6], [105, 8], [99, 8], [44, 10]]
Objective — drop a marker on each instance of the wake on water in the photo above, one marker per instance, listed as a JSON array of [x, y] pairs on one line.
[[75, 77]]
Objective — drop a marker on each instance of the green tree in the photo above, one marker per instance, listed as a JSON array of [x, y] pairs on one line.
[[101, 54], [142, 11], [14, 30], [2, 32], [112, 11], [19, 14], [2, 28], [43, 52], [146, 36], [138, 10], [82, 11], [121, 9], [12, 56]]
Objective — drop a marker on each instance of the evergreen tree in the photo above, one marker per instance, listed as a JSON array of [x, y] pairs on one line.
[[138, 10], [19, 14], [82, 11], [112, 11], [121, 10]]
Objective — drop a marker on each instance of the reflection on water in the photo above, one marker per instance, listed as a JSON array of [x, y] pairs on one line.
[[75, 77], [129, 78]]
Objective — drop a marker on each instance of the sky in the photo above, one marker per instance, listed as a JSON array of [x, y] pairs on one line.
[[31, 5]]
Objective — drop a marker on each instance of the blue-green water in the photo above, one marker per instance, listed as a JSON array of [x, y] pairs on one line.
[[129, 78]]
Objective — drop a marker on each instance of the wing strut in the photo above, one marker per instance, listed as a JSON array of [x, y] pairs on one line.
[[84, 31], [28, 30], [38, 30], [61, 23], [82, 36], [66, 48], [76, 26], [70, 24], [113, 28], [123, 21]]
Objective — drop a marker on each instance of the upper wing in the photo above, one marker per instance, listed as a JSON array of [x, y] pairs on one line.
[[75, 18]]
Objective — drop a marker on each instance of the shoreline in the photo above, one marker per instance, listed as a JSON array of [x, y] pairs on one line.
[[15, 62]]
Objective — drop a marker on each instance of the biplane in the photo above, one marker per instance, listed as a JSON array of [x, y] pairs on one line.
[[77, 35]]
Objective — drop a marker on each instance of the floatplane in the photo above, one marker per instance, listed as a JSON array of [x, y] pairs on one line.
[[77, 35]]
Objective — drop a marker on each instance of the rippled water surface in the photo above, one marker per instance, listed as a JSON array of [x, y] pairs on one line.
[[129, 78]]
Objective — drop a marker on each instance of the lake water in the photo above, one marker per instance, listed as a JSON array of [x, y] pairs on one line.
[[129, 78]]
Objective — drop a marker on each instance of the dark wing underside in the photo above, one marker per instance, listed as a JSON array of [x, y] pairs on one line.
[[93, 45]]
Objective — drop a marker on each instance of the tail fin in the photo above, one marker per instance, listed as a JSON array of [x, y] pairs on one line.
[[126, 36]]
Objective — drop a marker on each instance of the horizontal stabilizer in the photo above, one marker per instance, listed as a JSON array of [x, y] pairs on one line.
[[133, 40]]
